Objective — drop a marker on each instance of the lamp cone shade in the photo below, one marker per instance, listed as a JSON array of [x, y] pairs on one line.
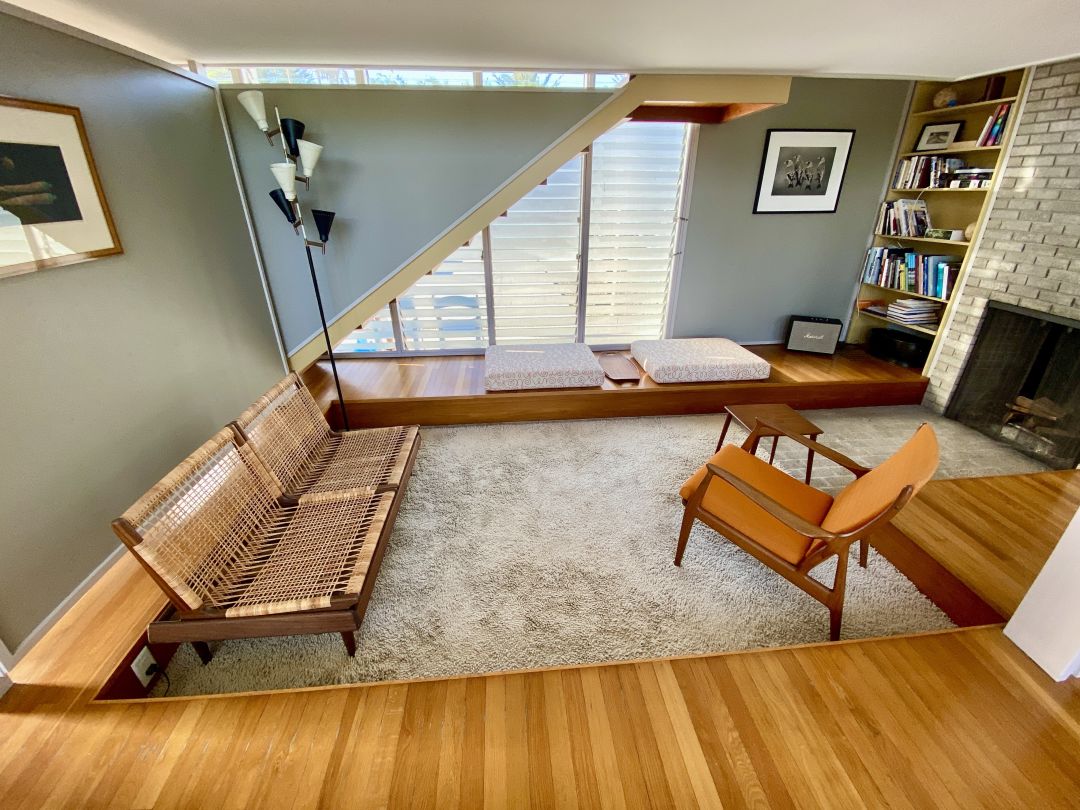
[[252, 101], [309, 156], [278, 196], [285, 174], [292, 131], [323, 221]]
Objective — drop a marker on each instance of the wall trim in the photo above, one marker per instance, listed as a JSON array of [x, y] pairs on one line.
[[58, 612], [681, 227], [249, 223], [108, 44]]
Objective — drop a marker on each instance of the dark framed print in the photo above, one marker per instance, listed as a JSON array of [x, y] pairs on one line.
[[938, 136], [52, 208], [802, 170]]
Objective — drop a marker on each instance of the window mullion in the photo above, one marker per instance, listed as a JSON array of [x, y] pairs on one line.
[[583, 251], [489, 283]]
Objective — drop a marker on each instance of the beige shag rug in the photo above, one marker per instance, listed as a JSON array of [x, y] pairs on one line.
[[540, 544]]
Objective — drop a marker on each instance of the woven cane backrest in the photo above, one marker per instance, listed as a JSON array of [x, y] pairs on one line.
[[199, 518], [285, 427]]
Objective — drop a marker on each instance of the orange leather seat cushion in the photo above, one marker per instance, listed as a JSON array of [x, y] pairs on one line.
[[735, 509], [865, 498]]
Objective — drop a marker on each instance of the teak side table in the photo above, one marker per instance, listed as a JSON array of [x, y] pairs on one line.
[[781, 416]]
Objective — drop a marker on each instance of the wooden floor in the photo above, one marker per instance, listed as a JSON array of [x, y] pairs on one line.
[[958, 719], [444, 390], [993, 533]]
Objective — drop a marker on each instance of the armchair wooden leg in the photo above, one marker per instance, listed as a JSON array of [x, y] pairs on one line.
[[684, 535], [836, 602], [203, 649], [349, 637], [864, 551]]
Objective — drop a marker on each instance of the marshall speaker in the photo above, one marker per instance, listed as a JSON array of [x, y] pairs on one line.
[[809, 334]]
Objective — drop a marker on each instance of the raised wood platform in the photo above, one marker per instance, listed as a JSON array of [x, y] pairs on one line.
[[993, 534], [443, 390], [955, 719]]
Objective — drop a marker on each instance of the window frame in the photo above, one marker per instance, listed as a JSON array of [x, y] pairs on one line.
[[682, 219]]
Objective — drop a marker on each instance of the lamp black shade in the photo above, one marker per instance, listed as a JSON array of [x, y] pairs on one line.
[[278, 196], [292, 131], [323, 221]]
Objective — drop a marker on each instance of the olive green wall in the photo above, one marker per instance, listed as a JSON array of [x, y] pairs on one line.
[[114, 370], [744, 273]]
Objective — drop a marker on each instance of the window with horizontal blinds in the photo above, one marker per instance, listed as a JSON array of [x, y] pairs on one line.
[[377, 335], [447, 309], [637, 173], [534, 257], [535, 269]]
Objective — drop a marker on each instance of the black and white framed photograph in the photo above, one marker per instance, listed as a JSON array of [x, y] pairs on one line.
[[802, 170], [52, 207], [935, 137]]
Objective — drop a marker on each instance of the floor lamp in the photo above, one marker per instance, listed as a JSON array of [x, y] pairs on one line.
[[294, 147]]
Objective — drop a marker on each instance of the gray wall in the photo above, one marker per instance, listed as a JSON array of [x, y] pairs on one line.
[[399, 167], [744, 273], [115, 369]]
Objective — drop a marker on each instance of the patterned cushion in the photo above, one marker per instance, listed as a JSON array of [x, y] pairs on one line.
[[698, 360], [556, 365]]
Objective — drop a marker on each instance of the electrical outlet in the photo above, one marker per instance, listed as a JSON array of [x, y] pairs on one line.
[[142, 664]]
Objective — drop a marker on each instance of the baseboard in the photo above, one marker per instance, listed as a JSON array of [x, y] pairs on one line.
[[59, 611]]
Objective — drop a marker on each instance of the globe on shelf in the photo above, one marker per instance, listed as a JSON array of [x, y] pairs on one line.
[[945, 97]]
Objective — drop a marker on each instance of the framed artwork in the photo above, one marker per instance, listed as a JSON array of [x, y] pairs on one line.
[[938, 136], [802, 170], [52, 209]]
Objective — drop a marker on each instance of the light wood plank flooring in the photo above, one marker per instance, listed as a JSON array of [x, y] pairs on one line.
[[993, 533], [958, 719], [442, 390]]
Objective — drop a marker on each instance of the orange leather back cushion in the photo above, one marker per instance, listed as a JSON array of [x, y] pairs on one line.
[[863, 499]]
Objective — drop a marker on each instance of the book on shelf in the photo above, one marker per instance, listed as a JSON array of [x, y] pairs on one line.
[[932, 171], [914, 311], [903, 218], [910, 271], [994, 128]]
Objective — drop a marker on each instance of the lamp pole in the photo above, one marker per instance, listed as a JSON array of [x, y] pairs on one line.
[[326, 336]]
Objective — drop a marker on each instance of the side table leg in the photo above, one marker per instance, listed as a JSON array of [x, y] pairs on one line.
[[772, 452], [723, 433]]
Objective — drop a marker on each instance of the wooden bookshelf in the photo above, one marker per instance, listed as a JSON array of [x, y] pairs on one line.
[[949, 208]]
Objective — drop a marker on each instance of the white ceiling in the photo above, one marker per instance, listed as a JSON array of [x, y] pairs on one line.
[[838, 37]]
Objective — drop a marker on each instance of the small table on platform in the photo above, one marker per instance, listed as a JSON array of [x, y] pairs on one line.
[[782, 417]]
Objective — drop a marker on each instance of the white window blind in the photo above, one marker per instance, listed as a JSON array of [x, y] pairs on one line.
[[535, 264], [637, 171], [376, 336], [447, 309], [534, 253]]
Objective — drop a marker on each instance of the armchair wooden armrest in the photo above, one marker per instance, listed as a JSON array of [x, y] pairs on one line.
[[773, 507], [757, 433]]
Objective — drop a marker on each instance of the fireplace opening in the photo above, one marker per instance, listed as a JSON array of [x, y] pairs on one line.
[[1021, 384]]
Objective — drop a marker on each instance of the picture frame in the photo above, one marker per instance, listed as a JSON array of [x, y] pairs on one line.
[[937, 136], [53, 210], [802, 170]]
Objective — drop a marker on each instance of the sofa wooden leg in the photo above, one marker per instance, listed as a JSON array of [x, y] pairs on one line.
[[203, 649], [349, 637]]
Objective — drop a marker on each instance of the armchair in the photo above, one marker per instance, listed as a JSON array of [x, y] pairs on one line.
[[792, 527]]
